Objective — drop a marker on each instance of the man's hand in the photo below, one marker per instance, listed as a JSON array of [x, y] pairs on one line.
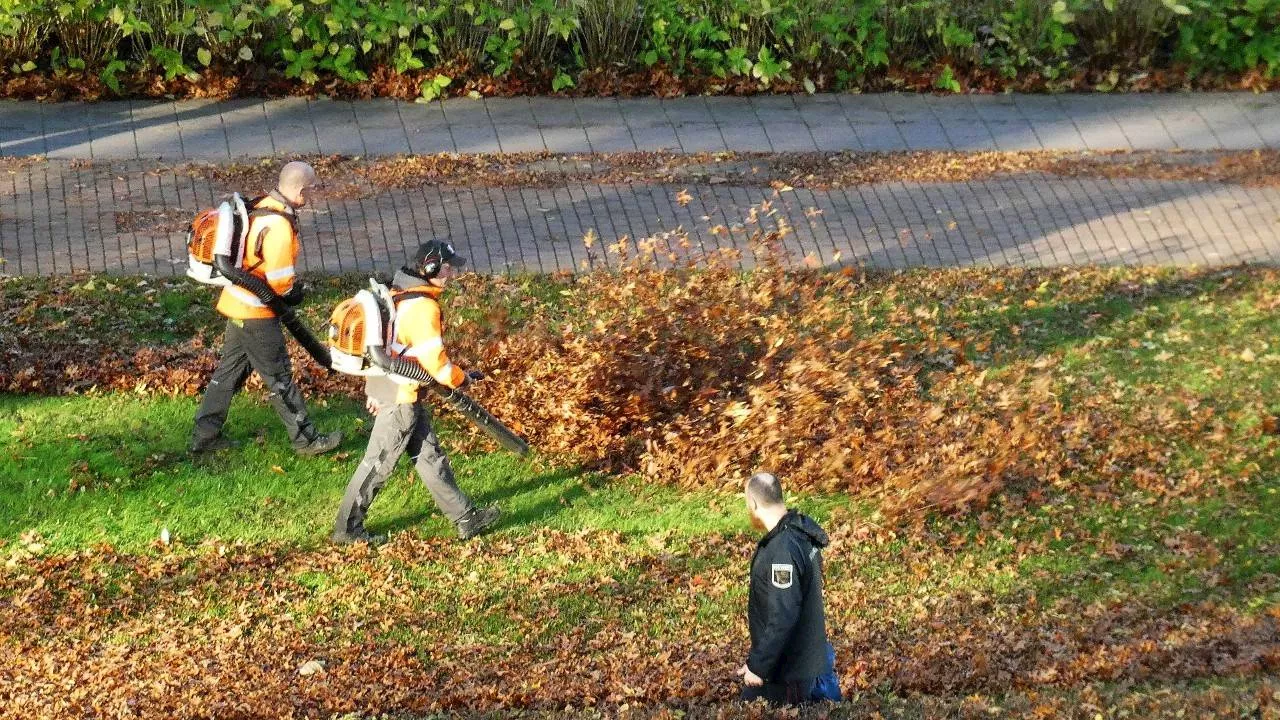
[[749, 678], [371, 405]]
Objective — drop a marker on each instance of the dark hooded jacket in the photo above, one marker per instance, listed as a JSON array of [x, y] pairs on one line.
[[785, 613]]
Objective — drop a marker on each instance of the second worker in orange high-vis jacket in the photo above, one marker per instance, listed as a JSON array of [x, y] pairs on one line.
[[401, 424], [254, 339]]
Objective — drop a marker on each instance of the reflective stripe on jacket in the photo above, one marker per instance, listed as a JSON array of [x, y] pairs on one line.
[[271, 253], [418, 333]]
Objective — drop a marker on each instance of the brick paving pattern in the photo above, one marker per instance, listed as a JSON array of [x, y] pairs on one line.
[[121, 214], [62, 217]]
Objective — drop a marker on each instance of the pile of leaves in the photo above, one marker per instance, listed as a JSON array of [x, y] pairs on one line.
[[362, 177], [700, 377]]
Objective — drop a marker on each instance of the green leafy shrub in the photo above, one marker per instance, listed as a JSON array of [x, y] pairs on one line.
[[814, 43], [87, 33], [1133, 33], [1232, 35], [1032, 35], [24, 29], [609, 32]]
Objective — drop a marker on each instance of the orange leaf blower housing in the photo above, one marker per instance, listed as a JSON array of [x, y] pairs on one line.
[[358, 331], [220, 231], [347, 328], [204, 235]]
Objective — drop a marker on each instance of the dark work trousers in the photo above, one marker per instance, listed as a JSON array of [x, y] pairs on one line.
[[400, 428], [254, 345]]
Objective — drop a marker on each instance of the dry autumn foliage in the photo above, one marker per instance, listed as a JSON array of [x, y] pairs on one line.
[[696, 377], [244, 632], [219, 83], [365, 177], [693, 378]]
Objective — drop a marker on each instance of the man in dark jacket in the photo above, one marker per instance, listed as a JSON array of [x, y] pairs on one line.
[[789, 650]]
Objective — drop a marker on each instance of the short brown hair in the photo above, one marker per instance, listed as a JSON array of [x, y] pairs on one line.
[[765, 488]]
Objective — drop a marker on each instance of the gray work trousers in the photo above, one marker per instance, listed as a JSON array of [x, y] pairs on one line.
[[254, 345], [400, 427]]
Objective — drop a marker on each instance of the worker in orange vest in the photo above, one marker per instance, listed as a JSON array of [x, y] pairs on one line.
[[402, 424], [254, 340]]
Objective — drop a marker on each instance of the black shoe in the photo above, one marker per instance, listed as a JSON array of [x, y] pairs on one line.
[[320, 444], [213, 444], [477, 520], [344, 538]]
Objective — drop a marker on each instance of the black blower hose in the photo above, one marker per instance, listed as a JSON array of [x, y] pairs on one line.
[[403, 367], [462, 402], [267, 296], [483, 419]]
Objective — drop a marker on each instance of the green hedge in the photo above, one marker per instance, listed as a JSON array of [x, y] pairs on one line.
[[822, 43]]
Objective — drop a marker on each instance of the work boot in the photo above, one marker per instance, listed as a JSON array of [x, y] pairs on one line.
[[477, 520], [320, 444], [344, 538], [212, 445]]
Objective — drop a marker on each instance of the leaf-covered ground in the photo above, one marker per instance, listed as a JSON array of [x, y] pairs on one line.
[[1124, 564], [924, 391], [352, 177]]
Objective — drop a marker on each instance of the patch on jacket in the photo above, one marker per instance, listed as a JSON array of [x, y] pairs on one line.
[[783, 575]]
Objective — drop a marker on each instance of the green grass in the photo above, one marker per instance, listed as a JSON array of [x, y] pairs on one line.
[[80, 471], [113, 468]]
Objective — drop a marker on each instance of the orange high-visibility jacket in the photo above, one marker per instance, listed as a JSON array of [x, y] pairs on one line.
[[418, 333], [271, 250]]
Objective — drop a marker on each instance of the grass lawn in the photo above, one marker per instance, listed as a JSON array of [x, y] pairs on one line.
[[1114, 598], [113, 469]]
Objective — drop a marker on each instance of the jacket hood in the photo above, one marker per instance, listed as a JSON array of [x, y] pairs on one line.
[[800, 523], [405, 281], [806, 525], [277, 200]]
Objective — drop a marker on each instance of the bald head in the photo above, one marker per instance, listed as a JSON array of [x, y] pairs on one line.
[[295, 179], [765, 490]]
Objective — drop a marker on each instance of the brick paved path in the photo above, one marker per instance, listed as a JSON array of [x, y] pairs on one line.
[[64, 216], [208, 130], [115, 216]]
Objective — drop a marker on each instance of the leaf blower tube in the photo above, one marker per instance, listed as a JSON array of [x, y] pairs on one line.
[[268, 297], [460, 401]]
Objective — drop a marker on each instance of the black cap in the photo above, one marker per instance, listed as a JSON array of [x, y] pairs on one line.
[[431, 255], [439, 250]]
